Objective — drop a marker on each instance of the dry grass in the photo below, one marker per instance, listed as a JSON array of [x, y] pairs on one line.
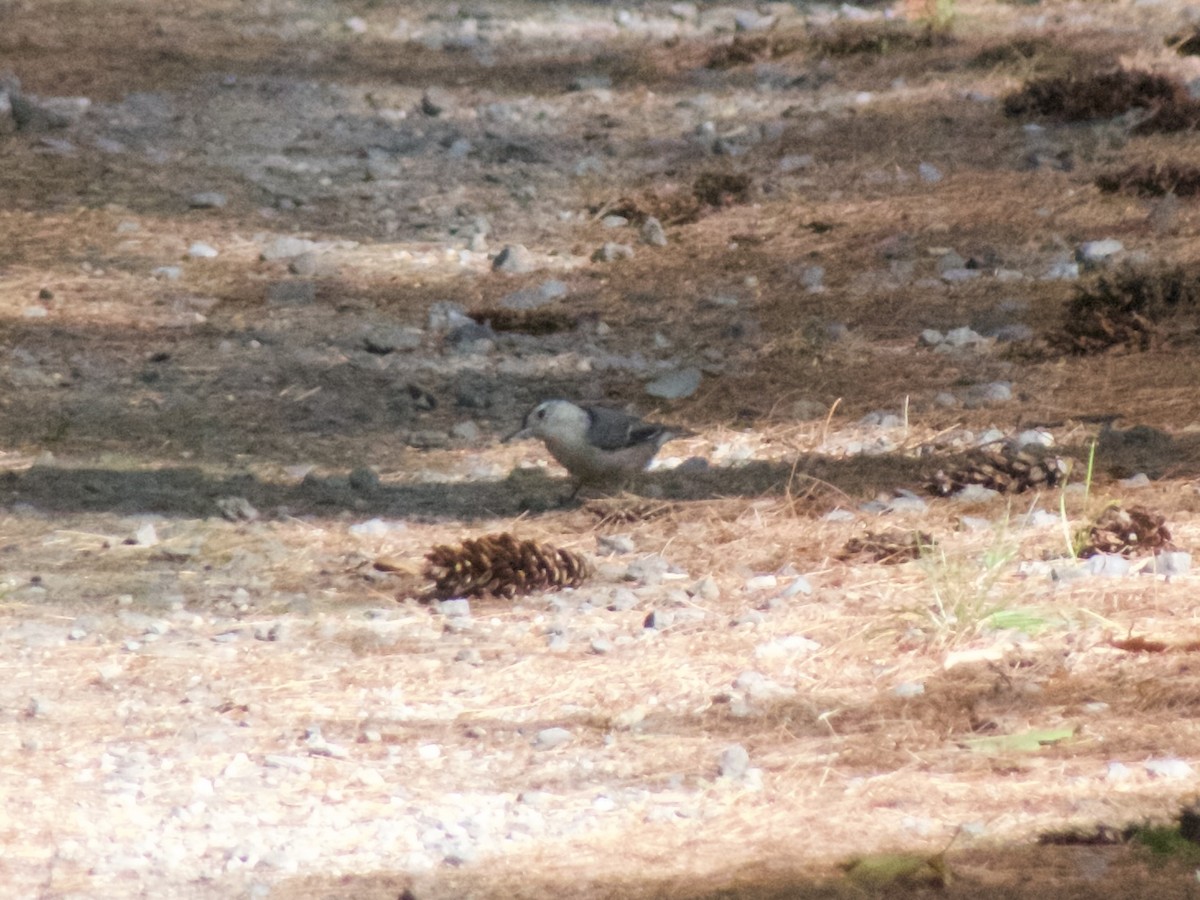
[[848, 765]]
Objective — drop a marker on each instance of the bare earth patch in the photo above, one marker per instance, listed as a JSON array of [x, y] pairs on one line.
[[221, 472]]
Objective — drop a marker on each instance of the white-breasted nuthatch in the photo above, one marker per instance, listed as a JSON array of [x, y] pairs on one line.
[[598, 446]]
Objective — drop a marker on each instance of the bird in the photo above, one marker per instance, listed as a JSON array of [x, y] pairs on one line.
[[600, 447]]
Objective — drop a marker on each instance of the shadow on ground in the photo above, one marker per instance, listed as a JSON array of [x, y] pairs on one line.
[[190, 492]]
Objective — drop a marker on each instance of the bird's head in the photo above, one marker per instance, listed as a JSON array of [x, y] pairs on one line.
[[558, 420]]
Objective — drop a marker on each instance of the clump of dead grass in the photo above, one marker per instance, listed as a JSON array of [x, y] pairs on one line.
[[1017, 50], [1127, 532], [1127, 309], [1153, 180], [525, 321], [751, 48], [1105, 95], [877, 39]]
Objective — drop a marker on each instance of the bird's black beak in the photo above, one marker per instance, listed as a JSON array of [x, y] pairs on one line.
[[519, 435]]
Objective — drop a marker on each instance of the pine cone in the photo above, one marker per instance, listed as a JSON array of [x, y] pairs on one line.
[[888, 547], [1006, 469], [501, 566], [1127, 531]]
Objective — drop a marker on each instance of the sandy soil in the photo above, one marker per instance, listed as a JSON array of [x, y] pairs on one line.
[[211, 688]]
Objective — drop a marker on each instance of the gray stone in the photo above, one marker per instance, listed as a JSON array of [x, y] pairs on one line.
[[950, 260], [236, 509], [795, 162], [929, 173], [988, 394], [1172, 562], [881, 419], [428, 439], [615, 543], [648, 570], [1096, 253], [652, 233], [435, 101], [953, 276], [675, 385], [201, 250], [734, 762], [514, 259], [291, 293], [364, 480], [1136, 481], [446, 316], [975, 493], [907, 504], [962, 337], [390, 339], [549, 738], [305, 265], [622, 599], [471, 338], [813, 279], [532, 298], [799, 585], [45, 113], [207, 200], [1109, 565], [611, 251], [751, 20], [598, 82], [465, 431], [286, 248], [455, 608], [1169, 768], [930, 337], [1013, 332], [1061, 271]]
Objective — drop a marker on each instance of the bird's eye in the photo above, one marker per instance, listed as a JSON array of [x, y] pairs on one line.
[[540, 414]]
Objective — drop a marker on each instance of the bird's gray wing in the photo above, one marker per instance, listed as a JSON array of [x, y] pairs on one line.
[[609, 429]]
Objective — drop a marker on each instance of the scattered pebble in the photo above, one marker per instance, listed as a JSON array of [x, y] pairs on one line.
[[675, 385], [514, 259], [455, 608], [907, 689], [291, 293], [201, 250], [1096, 253], [615, 543], [734, 762], [652, 233], [286, 248], [207, 200], [611, 251], [1172, 562], [532, 298], [799, 585], [236, 509], [1168, 768], [1109, 565], [549, 738], [384, 339]]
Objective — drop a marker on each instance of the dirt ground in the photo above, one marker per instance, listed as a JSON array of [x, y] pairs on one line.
[[218, 416]]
